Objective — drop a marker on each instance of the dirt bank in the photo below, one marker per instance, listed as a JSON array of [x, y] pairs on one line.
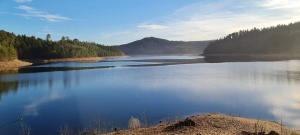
[[12, 65], [84, 59], [213, 124]]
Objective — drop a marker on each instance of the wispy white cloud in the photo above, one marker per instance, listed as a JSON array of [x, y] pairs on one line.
[[22, 1], [152, 26], [25, 8], [212, 20], [281, 4], [32, 12]]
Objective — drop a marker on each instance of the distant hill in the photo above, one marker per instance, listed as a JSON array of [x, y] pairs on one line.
[[282, 41], [157, 46]]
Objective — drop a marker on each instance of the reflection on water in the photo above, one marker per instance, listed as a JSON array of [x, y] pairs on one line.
[[49, 100], [6, 87], [52, 69]]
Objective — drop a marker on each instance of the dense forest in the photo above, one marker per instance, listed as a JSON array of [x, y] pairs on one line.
[[279, 40], [157, 46], [31, 48]]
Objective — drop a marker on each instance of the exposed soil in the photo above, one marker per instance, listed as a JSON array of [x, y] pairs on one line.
[[83, 59], [12, 65], [213, 124]]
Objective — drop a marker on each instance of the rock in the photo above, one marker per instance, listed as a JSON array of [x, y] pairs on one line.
[[181, 124], [87, 133], [273, 133]]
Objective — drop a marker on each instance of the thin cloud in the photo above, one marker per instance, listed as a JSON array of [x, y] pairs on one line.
[[281, 4], [152, 26], [34, 13], [23, 1], [25, 8], [212, 20]]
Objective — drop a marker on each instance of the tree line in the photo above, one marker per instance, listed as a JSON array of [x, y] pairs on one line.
[[280, 39], [32, 48]]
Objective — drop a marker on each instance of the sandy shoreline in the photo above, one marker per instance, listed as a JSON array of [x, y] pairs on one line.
[[13, 65], [83, 59], [213, 124]]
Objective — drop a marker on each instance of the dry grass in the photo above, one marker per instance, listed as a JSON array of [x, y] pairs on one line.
[[209, 124], [65, 130], [213, 124], [12, 65], [134, 123]]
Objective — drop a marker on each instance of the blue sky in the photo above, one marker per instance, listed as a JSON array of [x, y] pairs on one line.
[[114, 22]]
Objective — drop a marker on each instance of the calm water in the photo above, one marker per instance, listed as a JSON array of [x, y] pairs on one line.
[[110, 93]]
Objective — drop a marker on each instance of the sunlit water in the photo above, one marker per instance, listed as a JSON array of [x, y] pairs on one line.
[[48, 101]]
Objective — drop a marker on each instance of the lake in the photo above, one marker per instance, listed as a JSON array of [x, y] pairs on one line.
[[49, 97]]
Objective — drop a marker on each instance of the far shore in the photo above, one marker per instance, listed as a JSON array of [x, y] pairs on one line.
[[248, 57], [274, 56], [14, 65], [82, 59]]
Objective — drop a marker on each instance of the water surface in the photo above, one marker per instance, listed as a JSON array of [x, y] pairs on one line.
[[110, 92]]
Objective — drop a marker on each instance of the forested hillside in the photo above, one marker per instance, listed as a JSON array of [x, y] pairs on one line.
[[7, 50], [282, 40], [157, 46], [31, 48]]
